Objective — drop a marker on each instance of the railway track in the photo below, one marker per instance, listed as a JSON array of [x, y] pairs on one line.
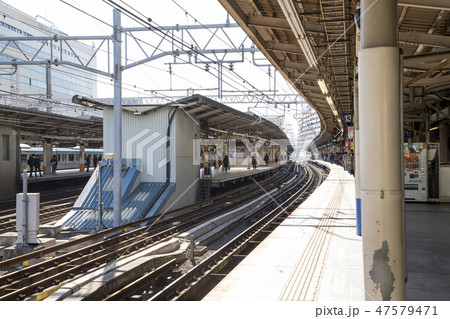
[[116, 242], [48, 212], [192, 285], [166, 284], [7, 205]]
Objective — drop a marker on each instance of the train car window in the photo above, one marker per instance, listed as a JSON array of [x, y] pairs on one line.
[[71, 157], [23, 158], [59, 157]]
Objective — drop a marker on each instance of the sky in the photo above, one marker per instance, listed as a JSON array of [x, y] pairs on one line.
[[82, 17], [67, 16]]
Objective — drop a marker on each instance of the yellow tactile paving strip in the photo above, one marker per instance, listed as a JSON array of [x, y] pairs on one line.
[[304, 280]]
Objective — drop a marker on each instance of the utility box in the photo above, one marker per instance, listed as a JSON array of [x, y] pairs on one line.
[[32, 218]]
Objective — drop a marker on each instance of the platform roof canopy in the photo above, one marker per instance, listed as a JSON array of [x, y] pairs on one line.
[[314, 49], [215, 119], [221, 121], [44, 125]]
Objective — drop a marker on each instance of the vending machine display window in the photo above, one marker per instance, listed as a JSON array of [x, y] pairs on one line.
[[415, 171]]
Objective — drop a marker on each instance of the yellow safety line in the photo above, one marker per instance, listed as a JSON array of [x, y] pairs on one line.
[[48, 292], [307, 264]]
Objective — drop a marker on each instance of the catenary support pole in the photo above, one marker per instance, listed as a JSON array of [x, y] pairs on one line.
[[117, 118], [380, 144]]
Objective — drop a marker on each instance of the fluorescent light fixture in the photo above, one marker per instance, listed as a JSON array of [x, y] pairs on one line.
[[332, 106], [287, 6], [331, 103], [434, 128], [323, 86]]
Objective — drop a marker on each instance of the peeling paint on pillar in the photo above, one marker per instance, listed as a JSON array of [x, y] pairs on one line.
[[381, 272]]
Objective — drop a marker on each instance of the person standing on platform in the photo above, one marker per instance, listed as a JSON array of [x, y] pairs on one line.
[[95, 160], [331, 158], [37, 165], [226, 163], [266, 159], [88, 162], [54, 163], [30, 163], [276, 159], [254, 162]]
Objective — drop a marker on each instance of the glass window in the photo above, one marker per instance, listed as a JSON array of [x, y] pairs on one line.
[[5, 147], [71, 157]]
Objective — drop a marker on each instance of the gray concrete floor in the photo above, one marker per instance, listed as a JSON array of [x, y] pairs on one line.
[[428, 251]]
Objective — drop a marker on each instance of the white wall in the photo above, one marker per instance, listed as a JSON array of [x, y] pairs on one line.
[[187, 174], [144, 137]]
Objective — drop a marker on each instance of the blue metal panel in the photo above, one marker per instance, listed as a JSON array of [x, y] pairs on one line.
[[133, 206]]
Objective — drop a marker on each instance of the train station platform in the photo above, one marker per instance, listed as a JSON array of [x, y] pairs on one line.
[[65, 174], [63, 181], [219, 178], [315, 253]]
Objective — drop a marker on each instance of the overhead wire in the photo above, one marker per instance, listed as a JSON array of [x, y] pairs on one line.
[[130, 34], [131, 85], [79, 74], [137, 39], [215, 35], [225, 42], [181, 42]]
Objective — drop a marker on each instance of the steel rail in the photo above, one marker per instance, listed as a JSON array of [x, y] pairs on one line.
[[35, 283], [142, 282], [184, 287], [168, 218]]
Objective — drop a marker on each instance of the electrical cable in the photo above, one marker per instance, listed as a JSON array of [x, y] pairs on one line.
[[160, 30], [214, 34], [79, 75]]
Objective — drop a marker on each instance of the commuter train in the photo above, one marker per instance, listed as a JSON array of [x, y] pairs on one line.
[[68, 157]]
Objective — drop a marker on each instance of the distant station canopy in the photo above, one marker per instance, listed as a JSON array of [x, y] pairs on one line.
[[215, 119]]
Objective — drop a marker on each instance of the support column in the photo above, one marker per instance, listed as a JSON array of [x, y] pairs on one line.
[[117, 33], [47, 156], [380, 147], [81, 156], [357, 161]]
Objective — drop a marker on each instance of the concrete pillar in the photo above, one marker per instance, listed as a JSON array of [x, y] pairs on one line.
[[444, 144], [380, 152], [47, 156], [81, 156]]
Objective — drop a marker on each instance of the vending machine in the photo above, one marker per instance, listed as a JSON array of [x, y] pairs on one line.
[[415, 172]]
